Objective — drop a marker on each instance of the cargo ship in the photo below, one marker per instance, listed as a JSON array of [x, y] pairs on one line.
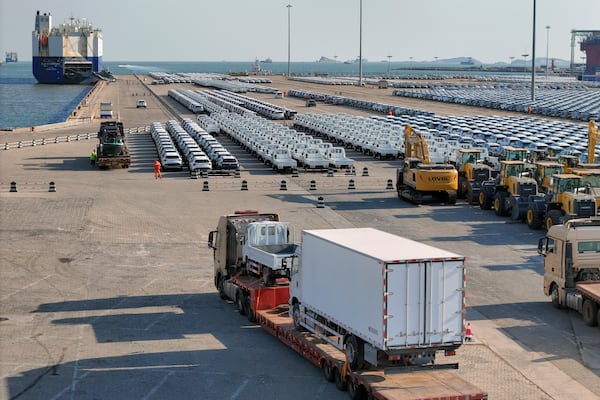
[[68, 54], [11, 56]]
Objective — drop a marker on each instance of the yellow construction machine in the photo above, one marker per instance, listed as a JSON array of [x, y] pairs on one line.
[[418, 177], [472, 172]]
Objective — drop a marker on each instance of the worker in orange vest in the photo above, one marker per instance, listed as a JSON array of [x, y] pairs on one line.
[[157, 173]]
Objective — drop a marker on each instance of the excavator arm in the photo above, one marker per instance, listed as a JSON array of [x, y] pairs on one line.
[[593, 137], [415, 145]]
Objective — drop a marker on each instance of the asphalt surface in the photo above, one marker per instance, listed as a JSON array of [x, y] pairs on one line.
[[107, 286]]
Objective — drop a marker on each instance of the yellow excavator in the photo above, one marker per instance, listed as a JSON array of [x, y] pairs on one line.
[[418, 177]]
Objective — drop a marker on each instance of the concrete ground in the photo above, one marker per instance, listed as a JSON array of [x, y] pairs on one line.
[[107, 286]]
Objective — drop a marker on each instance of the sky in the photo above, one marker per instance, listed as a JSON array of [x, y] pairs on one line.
[[242, 30]]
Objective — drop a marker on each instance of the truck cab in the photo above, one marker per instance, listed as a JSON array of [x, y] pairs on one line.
[[571, 257], [226, 242]]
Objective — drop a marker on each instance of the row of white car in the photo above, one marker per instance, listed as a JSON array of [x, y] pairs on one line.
[[219, 156], [263, 108], [194, 156], [280, 147], [167, 152]]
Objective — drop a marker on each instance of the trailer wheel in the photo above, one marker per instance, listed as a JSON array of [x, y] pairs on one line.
[[355, 352], [590, 312], [356, 391], [340, 383], [328, 372]]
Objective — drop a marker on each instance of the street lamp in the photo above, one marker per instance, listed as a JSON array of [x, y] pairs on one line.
[[289, 6], [547, 47], [360, 71]]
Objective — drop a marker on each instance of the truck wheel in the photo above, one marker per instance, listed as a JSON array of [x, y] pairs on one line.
[[249, 313], [355, 352], [241, 303], [328, 372], [339, 383], [220, 287], [554, 296], [589, 311]]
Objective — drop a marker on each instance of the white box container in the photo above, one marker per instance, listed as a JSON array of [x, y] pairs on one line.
[[392, 292]]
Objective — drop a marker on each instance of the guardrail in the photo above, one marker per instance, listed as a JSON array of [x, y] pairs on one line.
[[68, 138]]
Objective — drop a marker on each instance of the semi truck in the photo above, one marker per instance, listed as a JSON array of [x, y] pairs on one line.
[[111, 150], [269, 306], [572, 266]]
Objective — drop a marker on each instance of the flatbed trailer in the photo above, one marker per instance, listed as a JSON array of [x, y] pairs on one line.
[[590, 289], [267, 305]]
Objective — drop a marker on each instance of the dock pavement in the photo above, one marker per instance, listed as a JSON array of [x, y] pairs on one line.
[[107, 289]]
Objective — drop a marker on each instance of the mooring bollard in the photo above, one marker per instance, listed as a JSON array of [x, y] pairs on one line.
[[52, 187], [244, 185], [389, 185], [320, 202], [351, 184], [205, 186], [313, 185], [13, 186], [283, 185], [365, 171]]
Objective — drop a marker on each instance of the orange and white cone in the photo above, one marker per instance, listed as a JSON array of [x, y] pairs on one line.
[[468, 333]]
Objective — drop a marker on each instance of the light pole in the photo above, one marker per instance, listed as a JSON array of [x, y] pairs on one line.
[[533, 56], [389, 59], [289, 6], [360, 48], [547, 47]]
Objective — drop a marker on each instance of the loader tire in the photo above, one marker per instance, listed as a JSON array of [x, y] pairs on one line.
[[534, 219]]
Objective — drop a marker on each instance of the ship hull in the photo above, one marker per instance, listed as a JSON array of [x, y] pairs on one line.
[[63, 70]]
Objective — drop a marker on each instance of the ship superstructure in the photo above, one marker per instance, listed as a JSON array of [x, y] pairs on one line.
[[67, 54]]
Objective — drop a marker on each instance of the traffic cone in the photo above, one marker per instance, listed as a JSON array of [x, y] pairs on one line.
[[468, 333]]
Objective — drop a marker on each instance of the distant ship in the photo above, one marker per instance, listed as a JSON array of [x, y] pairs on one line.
[[267, 61], [68, 54], [11, 56]]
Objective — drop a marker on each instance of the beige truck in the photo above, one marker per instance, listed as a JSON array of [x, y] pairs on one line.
[[572, 266]]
